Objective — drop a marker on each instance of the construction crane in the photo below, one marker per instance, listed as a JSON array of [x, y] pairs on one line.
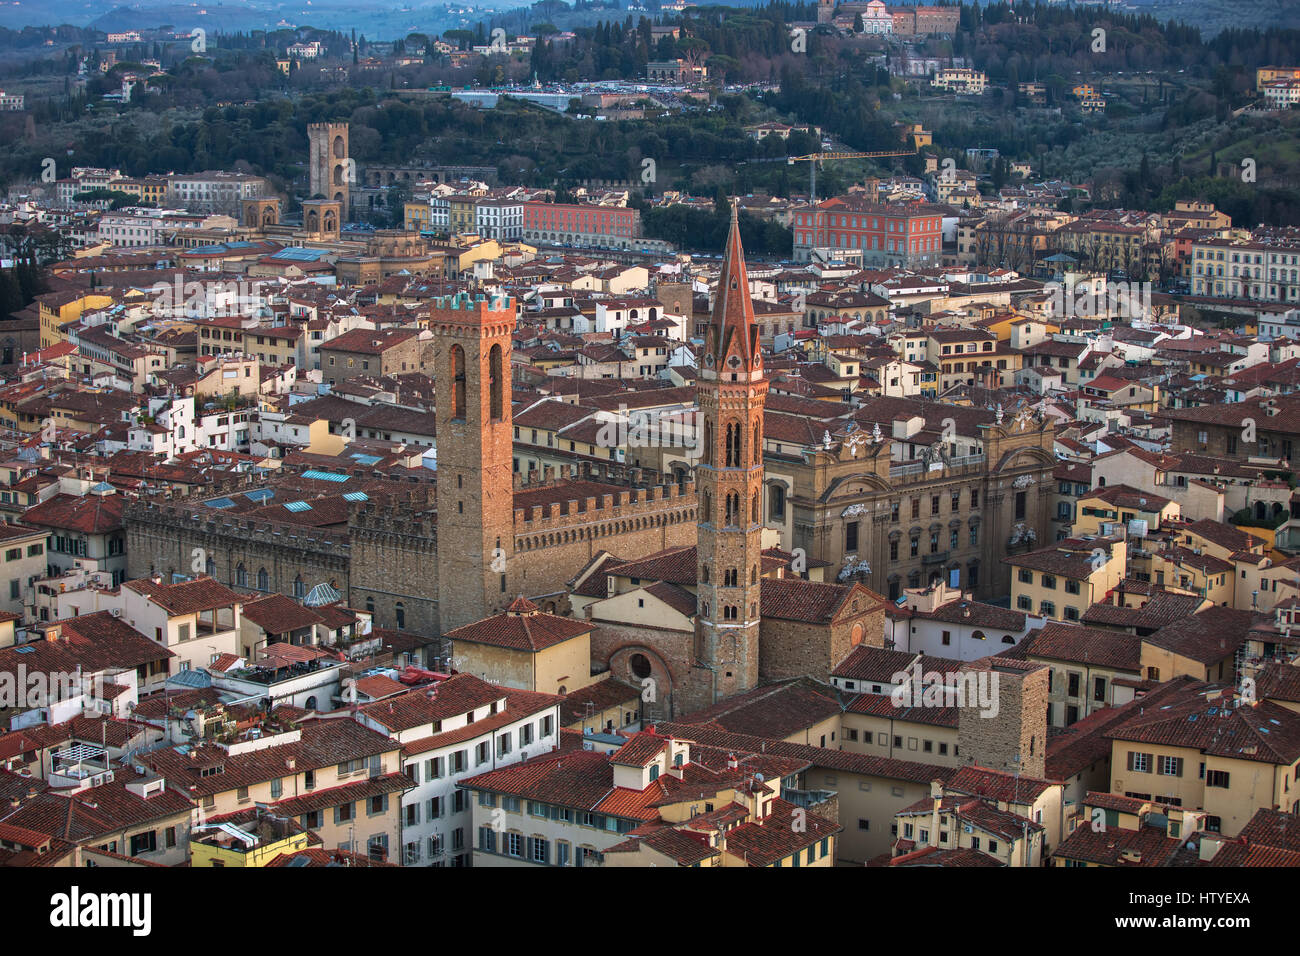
[[815, 159]]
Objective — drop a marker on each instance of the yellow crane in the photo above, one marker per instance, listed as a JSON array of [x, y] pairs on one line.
[[816, 159]]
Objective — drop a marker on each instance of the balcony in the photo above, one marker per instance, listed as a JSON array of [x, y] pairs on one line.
[[938, 557]]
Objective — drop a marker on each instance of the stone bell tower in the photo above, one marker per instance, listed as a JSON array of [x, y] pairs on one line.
[[471, 337], [729, 481]]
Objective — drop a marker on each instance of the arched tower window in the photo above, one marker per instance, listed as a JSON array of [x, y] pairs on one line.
[[758, 446], [733, 508], [733, 445], [707, 510], [708, 442], [494, 382], [458, 383]]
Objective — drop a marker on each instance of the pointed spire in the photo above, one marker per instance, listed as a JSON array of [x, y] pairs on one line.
[[732, 332]]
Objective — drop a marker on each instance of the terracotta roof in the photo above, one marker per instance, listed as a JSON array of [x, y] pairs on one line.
[[868, 663], [1113, 846], [602, 695], [1074, 643], [527, 630], [776, 836], [1200, 718], [187, 597], [813, 602], [773, 710], [89, 514]]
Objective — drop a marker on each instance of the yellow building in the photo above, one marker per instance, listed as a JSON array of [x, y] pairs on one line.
[[58, 308], [249, 838], [1121, 504], [1085, 663], [1265, 75], [1208, 748], [1110, 830], [526, 649], [417, 216], [1063, 581]]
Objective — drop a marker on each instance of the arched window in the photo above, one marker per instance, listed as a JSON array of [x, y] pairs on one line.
[[704, 574], [729, 578], [210, 567], [707, 457], [263, 580], [733, 445], [458, 383], [758, 445], [753, 508], [400, 611], [1008, 639], [241, 575], [733, 509], [495, 382], [299, 588], [707, 509]]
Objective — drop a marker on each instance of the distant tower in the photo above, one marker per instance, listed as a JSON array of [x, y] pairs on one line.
[[476, 510], [260, 213], [729, 479], [825, 10], [329, 166], [322, 218]]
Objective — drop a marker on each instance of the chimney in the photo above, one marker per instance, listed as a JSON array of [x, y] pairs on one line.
[[1211, 843], [936, 801]]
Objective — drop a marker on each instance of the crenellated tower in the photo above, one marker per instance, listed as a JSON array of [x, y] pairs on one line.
[[729, 479], [475, 454]]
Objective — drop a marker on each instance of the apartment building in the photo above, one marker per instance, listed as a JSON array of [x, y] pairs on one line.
[[1062, 581], [597, 807], [449, 731], [1209, 748], [1264, 268], [334, 777], [884, 234]]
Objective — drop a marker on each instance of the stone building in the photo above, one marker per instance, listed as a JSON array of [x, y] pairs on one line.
[[695, 625], [331, 172]]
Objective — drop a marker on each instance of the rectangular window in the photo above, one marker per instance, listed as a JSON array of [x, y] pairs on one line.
[[1217, 778]]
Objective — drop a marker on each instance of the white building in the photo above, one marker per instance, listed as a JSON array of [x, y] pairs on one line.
[[449, 731]]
